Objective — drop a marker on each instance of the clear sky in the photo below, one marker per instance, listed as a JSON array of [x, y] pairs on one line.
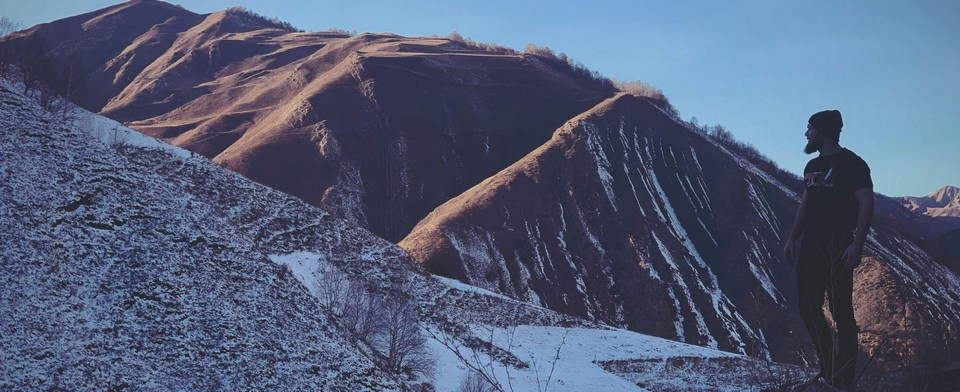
[[760, 68]]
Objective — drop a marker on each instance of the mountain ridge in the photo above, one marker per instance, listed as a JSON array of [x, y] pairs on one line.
[[943, 202]]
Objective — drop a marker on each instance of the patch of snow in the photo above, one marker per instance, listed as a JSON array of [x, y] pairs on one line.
[[722, 306], [456, 284], [764, 209], [569, 358], [111, 132], [602, 163], [762, 274], [678, 279], [304, 266], [479, 254]]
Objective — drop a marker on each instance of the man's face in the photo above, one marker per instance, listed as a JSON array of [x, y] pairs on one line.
[[814, 140]]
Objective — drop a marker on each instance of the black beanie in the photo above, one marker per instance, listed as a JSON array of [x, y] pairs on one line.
[[828, 123]]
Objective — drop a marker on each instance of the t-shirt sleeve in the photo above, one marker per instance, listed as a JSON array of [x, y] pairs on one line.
[[861, 176]]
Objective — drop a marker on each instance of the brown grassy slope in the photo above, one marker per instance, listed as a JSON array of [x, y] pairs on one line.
[[379, 127], [105, 49]]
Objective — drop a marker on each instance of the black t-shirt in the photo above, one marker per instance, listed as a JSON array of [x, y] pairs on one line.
[[830, 182]]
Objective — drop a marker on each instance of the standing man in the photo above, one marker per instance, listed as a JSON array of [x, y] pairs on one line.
[[827, 239]]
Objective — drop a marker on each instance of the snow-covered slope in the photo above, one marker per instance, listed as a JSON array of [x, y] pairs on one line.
[[127, 263], [138, 266], [519, 350]]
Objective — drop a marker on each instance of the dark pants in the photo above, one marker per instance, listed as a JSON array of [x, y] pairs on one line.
[[820, 271]]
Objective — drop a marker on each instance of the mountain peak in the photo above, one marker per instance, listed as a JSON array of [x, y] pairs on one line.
[[943, 202], [946, 193]]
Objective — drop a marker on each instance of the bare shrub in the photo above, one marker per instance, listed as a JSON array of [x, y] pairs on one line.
[[360, 313], [473, 382], [399, 339], [334, 30], [8, 26], [566, 65], [640, 89], [331, 287], [484, 370], [118, 138], [386, 327], [541, 51], [489, 47], [247, 16]]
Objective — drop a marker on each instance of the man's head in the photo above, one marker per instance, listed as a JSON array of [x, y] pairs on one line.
[[826, 124]]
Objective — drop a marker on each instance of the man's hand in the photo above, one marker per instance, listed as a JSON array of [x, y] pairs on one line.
[[790, 252], [851, 256]]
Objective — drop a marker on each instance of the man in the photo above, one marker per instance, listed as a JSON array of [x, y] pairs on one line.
[[827, 239]]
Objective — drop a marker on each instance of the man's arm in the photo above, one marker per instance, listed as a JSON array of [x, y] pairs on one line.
[[790, 249], [864, 218]]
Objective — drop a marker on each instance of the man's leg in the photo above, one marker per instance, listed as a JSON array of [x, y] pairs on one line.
[[840, 293], [811, 286]]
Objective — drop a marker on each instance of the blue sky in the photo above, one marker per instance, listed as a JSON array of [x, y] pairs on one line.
[[760, 68]]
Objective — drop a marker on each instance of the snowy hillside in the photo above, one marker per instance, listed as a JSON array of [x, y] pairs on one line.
[[130, 263]]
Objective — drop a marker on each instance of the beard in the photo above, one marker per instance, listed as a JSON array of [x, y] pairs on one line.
[[813, 145]]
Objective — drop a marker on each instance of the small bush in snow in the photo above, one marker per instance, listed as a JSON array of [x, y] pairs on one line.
[[473, 382]]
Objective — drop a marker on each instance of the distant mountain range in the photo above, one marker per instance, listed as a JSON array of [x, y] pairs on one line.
[[944, 241], [944, 202], [514, 172]]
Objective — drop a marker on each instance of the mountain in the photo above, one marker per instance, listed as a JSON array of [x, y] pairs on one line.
[[943, 240], [378, 127], [628, 217], [944, 202], [515, 172], [133, 264]]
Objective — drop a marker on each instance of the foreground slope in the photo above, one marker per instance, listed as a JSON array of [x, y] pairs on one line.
[[141, 269], [377, 127], [628, 217]]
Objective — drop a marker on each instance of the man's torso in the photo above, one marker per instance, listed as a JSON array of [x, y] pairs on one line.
[[831, 182]]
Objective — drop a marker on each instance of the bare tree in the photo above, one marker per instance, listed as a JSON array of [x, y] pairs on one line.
[[7, 26], [484, 369], [386, 327], [359, 315], [474, 382], [399, 339], [331, 288]]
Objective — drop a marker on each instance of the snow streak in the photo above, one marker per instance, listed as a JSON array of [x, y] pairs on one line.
[[722, 306], [603, 164]]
